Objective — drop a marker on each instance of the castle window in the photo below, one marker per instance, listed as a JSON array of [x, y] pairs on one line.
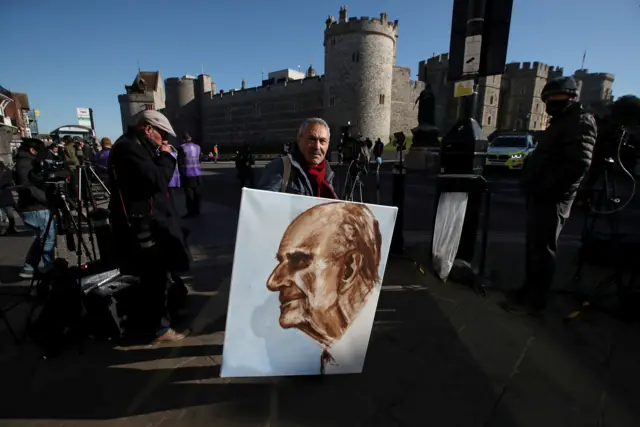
[[523, 91], [355, 56], [518, 124], [535, 125], [488, 120], [333, 41], [332, 101], [148, 107], [491, 101], [537, 105], [381, 98]]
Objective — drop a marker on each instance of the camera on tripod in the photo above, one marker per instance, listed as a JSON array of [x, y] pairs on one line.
[[400, 141], [354, 151]]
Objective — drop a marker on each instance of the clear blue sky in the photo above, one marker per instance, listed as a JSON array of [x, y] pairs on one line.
[[68, 53]]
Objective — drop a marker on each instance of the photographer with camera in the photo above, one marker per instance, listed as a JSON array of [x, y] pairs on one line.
[[34, 206], [551, 180], [304, 170], [148, 241]]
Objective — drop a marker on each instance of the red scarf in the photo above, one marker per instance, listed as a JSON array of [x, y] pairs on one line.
[[318, 173]]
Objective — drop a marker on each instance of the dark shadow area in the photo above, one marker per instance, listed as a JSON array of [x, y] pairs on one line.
[[9, 275], [97, 388], [417, 372], [568, 373]]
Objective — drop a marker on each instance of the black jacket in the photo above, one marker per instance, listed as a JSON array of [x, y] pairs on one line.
[[299, 182], [139, 180], [6, 181], [30, 182], [562, 158]]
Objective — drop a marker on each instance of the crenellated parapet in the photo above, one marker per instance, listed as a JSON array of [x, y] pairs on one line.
[[584, 73], [363, 24], [276, 89]]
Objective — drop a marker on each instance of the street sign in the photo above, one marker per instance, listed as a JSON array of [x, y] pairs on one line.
[[463, 88], [472, 50], [84, 117]]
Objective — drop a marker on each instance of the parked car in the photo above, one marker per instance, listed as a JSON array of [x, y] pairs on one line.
[[510, 151]]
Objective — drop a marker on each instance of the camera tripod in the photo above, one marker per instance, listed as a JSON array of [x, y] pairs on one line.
[[86, 170]]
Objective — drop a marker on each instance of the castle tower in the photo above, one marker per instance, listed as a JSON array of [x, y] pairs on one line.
[[594, 87], [182, 109], [358, 62]]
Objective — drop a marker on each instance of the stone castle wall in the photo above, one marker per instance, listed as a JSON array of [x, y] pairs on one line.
[[260, 115], [404, 113]]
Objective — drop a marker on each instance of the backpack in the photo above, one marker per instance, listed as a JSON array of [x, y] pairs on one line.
[[286, 174]]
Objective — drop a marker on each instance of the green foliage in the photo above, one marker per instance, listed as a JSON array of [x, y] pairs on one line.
[[392, 147]]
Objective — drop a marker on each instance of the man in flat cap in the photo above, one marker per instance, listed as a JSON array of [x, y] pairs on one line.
[[551, 179], [148, 240]]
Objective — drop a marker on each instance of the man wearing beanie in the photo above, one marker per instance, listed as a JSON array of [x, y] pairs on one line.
[[550, 181]]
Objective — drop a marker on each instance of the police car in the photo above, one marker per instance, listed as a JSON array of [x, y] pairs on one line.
[[510, 151]]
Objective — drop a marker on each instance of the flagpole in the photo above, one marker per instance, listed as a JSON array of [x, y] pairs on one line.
[[584, 57]]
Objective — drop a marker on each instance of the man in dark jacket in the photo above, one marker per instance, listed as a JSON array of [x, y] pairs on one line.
[[33, 204], [148, 240], [7, 204], [550, 181], [309, 173]]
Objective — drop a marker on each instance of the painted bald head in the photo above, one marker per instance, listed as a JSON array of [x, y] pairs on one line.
[[328, 263]]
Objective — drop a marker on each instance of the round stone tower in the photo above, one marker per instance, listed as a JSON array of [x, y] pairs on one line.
[[358, 61], [181, 105]]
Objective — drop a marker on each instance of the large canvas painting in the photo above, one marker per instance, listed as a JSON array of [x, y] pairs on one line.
[[307, 274]]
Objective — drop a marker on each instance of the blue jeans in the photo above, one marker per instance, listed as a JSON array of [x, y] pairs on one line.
[[38, 220]]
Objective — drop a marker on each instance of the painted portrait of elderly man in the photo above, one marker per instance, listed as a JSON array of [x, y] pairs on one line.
[[327, 271]]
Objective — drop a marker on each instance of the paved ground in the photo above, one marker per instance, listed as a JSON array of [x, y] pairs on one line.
[[439, 354]]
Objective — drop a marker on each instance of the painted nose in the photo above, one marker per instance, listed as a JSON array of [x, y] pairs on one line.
[[278, 278]]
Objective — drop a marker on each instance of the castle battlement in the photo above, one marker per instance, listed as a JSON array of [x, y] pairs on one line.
[[528, 67], [584, 73], [172, 80], [290, 87], [438, 59], [363, 24]]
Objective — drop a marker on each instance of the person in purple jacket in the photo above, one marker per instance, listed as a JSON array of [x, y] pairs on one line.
[[189, 164], [102, 159]]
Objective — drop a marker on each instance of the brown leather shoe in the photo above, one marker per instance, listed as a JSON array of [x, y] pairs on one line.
[[169, 336]]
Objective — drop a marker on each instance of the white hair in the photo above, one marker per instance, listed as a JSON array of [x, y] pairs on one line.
[[314, 121]]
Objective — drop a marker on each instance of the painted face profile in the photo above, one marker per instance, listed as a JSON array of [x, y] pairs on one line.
[[328, 262]]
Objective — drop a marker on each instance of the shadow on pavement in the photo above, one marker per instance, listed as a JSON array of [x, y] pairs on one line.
[[94, 387], [417, 371]]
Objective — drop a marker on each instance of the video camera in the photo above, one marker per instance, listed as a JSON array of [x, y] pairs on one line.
[[400, 141], [354, 150]]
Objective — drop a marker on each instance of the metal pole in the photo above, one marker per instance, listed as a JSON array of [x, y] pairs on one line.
[[475, 26], [93, 126]]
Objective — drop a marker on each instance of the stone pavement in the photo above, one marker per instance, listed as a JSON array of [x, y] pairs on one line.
[[439, 355]]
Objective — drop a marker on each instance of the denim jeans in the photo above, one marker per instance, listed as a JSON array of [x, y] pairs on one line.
[[38, 220]]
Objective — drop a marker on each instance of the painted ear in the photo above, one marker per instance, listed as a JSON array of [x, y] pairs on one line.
[[352, 264]]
